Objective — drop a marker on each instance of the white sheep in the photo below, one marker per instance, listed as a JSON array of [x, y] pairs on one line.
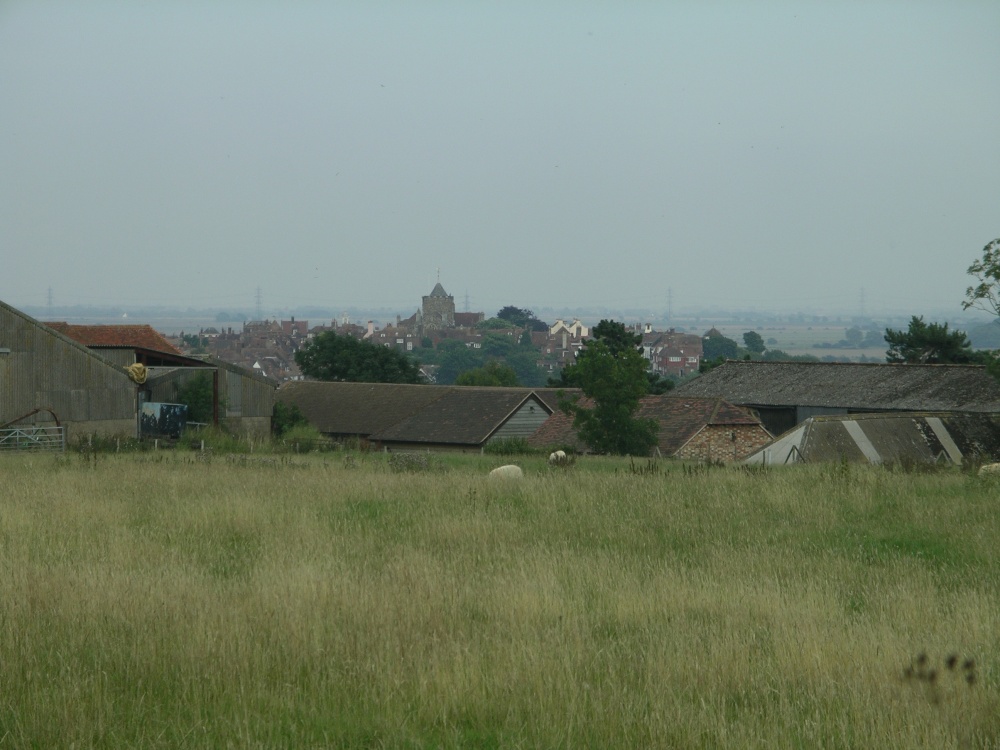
[[558, 458], [989, 469], [510, 471]]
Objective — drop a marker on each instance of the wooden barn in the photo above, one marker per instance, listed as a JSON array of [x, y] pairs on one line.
[[425, 417]]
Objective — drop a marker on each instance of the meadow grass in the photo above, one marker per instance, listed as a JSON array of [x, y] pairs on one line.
[[159, 600]]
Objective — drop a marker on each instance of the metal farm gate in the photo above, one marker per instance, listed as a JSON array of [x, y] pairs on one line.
[[34, 438]]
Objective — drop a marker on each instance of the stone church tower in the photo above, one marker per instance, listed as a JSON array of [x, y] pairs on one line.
[[438, 310]]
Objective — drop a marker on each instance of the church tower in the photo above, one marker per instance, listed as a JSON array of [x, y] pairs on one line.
[[438, 310]]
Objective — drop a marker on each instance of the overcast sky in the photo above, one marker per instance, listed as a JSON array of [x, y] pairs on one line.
[[754, 155]]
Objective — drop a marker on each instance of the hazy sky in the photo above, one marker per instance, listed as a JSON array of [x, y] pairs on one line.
[[754, 155]]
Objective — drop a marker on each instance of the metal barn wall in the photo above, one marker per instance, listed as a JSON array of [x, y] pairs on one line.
[[121, 357], [246, 399], [164, 382], [249, 399], [41, 369]]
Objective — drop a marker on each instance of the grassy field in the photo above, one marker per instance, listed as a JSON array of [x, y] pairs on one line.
[[158, 600]]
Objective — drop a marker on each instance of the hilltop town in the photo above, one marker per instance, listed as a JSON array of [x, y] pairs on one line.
[[430, 333]]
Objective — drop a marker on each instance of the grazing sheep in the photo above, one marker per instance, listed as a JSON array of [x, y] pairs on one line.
[[510, 471], [557, 459], [989, 469]]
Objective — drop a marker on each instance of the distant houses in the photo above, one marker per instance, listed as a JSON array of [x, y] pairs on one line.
[[95, 379]]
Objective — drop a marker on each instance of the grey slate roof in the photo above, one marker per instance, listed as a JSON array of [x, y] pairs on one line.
[[409, 413], [463, 415], [891, 387], [360, 409]]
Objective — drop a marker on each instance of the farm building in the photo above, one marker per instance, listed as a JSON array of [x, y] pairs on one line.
[[419, 416], [124, 345], [887, 438], [702, 429], [48, 378], [785, 394], [243, 400]]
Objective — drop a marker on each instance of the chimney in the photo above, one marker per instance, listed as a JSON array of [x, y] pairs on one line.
[[371, 329]]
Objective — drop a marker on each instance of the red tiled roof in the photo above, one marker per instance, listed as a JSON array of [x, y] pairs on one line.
[[468, 319], [679, 418], [124, 336]]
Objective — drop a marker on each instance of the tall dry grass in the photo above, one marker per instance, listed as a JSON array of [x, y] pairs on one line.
[[163, 601]]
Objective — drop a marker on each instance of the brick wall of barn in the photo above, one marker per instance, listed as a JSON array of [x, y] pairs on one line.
[[726, 443]]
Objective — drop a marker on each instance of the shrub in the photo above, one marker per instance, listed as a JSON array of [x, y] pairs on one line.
[[413, 462], [513, 446], [214, 439], [303, 438], [287, 417]]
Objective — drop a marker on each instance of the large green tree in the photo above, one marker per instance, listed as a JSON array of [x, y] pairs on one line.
[[455, 358], [715, 345], [619, 339], [929, 343], [986, 293], [493, 373], [345, 358], [612, 373], [198, 394], [522, 318], [754, 342]]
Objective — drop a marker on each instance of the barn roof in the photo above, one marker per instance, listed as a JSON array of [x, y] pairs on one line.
[[895, 387], [929, 437], [396, 412], [117, 336], [10, 310], [356, 408], [679, 418], [462, 415]]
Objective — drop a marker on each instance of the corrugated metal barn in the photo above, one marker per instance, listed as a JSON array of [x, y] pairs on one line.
[[245, 398], [42, 369], [887, 438], [786, 393]]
